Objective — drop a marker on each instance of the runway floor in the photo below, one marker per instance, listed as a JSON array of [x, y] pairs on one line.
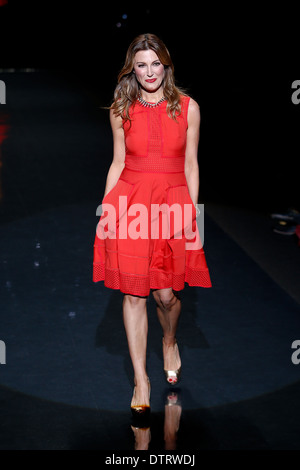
[[67, 382]]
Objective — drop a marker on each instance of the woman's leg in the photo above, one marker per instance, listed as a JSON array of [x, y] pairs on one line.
[[136, 327], [168, 306]]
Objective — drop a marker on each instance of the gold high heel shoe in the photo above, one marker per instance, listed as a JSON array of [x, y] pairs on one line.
[[141, 410], [173, 376]]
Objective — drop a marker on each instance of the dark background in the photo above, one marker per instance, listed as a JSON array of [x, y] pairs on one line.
[[238, 63], [240, 389]]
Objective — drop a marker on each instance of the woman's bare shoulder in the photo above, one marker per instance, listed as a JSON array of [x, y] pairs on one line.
[[193, 105], [193, 111], [115, 120]]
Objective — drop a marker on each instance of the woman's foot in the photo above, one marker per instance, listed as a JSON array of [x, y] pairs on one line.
[[172, 361], [140, 403]]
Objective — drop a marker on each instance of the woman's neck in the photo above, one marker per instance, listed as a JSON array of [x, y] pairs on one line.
[[152, 97]]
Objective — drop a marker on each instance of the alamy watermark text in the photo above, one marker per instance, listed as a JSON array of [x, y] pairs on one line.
[[296, 94], [2, 92], [2, 352]]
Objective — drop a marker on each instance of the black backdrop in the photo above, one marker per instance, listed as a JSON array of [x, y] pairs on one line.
[[238, 64]]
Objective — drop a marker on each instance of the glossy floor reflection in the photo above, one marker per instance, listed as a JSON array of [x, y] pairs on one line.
[[172, 415]]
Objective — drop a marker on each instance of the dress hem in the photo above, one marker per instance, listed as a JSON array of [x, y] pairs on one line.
[[141, 285]]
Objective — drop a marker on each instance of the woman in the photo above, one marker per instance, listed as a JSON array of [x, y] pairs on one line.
[[155, 135]]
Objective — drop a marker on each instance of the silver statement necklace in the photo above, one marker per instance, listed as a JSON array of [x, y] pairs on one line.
[[150, 105]]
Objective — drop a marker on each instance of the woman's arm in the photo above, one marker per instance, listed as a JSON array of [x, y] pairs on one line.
[[118, 161], [191, 153]]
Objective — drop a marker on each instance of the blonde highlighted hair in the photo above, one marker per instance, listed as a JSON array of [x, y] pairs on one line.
[[127, 89]]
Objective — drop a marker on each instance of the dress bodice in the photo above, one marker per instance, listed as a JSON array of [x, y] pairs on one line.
[[154, 141]]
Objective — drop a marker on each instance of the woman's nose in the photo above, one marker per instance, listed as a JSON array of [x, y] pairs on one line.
[[149, 72]]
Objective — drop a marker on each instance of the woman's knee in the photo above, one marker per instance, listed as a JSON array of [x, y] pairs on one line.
[[134, 300], [165, 298]]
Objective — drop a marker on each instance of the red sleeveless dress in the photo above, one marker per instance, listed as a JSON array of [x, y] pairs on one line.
[[134, 251]]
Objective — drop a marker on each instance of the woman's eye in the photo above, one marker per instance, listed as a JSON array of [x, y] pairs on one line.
[[157, 63], [140, 66]]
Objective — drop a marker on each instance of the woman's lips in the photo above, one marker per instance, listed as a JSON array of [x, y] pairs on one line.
[[151, 80]]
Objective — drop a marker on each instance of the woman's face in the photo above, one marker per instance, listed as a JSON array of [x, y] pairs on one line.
[[149, 70]]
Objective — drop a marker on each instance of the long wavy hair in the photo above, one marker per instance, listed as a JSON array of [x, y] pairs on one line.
[[127, 89]]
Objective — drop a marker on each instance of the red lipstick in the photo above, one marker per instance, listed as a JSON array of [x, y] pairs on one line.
[[151, 80]]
